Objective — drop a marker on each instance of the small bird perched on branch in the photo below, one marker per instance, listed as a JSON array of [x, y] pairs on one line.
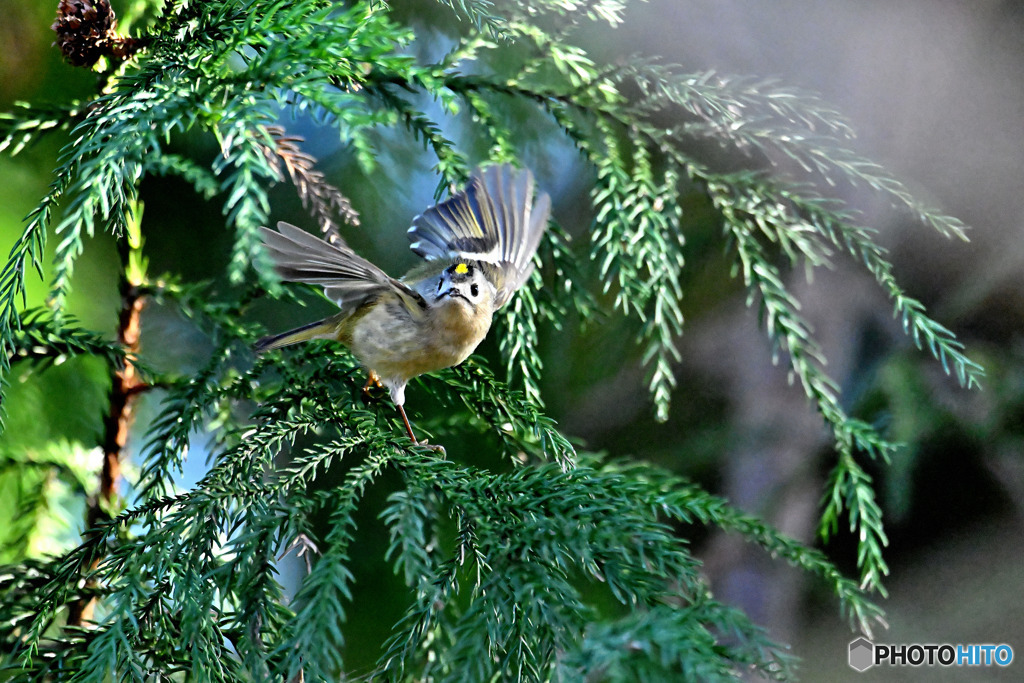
[[479, 246]]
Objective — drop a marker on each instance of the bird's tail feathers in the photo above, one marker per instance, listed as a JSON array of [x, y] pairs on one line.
[[321, 329]]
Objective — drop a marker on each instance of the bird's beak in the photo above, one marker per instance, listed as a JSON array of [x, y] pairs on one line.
[[452, 293]]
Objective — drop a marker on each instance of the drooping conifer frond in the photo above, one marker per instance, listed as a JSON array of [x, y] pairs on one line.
[[317, 195]]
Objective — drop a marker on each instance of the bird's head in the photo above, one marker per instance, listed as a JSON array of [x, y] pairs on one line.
[[465, 284]]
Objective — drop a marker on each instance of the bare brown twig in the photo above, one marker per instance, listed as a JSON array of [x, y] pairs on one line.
[[125, 385]]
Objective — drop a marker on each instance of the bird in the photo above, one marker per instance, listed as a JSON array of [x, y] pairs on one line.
[[478, 247]]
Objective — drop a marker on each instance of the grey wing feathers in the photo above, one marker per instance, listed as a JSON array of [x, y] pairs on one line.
[[493, 220], [348, 279]]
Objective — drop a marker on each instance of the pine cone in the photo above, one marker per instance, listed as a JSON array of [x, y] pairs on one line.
[[86, 31]]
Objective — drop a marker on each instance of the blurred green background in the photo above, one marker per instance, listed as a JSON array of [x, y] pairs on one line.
[[935, 92]]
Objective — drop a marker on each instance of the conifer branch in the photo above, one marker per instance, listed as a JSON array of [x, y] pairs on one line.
[[317, 195], [499, 564], [40, 339], [28, 124]]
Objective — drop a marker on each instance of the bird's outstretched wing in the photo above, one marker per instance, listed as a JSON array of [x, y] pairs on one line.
[[494, 220], [348, 279]]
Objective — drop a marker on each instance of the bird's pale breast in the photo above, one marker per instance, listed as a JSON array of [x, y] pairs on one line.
[[388, 340]]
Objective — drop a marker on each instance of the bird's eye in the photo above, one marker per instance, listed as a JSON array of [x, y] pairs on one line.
[[439, 283], [473, 290]]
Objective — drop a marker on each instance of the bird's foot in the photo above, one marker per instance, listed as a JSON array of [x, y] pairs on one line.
[[434, 447], [373, 381], [408, 429]]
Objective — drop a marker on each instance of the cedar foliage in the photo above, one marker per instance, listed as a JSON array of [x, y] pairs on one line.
[[501, 567]]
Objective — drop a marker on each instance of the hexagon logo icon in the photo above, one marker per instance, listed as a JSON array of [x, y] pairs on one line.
[[862, 654]]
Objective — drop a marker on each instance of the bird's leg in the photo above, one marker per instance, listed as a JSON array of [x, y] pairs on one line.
[[408, 428], [398, 397]]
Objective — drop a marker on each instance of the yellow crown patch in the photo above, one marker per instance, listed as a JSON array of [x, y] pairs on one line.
[[462, 269]]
